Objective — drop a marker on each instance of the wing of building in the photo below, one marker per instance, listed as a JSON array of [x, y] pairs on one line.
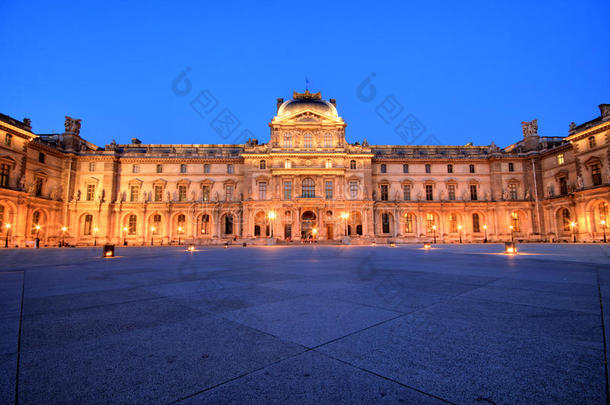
[[307, 182]]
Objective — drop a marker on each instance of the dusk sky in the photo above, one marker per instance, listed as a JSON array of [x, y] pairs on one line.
[[467, 73]]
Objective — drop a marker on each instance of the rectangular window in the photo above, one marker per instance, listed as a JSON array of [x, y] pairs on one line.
[[159, 168], [158, 193], [328, 190], [134, 192], [183, 168], [406, 191], [230, 169], [428, 168], [288, 190], [41, 157], [429, 196], [385, 223], [560, 159], [307, 141], [449, 168], [5, 172], [405, 168], [563, 185], [91, 166], [90, 192], [451, 191], [38, 186], [135, 169], [471, 168], [383, 168], [133, 224], [329, 164], [287, 164], [205, 193], [181, 193], [473, 192], [511, 167], [229, 193], [512, 190], [206, 168], [384, 192], [328, 141], [353, 189], [262, 190], [596, 175], [8, 139], [592, 142]]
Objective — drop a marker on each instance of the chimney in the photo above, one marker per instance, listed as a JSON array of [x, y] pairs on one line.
[[280, 101], [333, 102], [605, 111]]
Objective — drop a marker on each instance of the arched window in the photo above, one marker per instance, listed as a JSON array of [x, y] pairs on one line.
[[603, 212], [565, 220], [453, 223], [35, 221], [181, 219], [515, 221], [287, 140], [430, 222], [262, 165], [308, 188], [328, 141], [409, 223], [88, 224], [228, 224], [476, 226], [205, 224], [132, 224], [352, 164], [1, 218], [307, 141], [156, 224]]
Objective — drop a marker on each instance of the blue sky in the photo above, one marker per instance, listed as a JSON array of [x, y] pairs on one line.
[[466, 72]]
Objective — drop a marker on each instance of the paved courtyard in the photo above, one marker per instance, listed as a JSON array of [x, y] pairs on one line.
[[311, 324]]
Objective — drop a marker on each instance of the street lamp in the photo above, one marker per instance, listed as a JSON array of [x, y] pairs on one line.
[[63, 235], [460, 231], [179, 234], [573, 226], [152, 235], [345, 216], [271, 218], [125, 236], [485, 228], [8, 229], [95, 235], [512, 235], [37, 227], [434, 233], [603, 223]]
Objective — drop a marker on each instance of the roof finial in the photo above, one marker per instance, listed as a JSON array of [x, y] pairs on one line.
[[306, 84]]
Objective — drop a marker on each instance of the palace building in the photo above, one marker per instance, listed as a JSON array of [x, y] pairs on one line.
[[307, 182]]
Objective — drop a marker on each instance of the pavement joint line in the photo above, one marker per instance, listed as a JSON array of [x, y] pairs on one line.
[[386, 378], [601, 308], [19, 341]]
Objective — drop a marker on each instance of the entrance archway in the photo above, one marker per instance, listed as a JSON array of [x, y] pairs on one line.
[[308, 224]]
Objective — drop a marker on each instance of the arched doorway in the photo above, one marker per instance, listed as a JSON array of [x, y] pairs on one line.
[[308, 224]]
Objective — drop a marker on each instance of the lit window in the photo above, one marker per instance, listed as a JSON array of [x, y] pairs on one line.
[[566, 221], [560, 159], [512, 190], [453, 223], [35, 222], [205, 224], [409, 219], [156, 224], [262, 190], [288, 164], [229, 192], [329, 164], [132, 224], [515, 222], [205, 193], [430, 222]]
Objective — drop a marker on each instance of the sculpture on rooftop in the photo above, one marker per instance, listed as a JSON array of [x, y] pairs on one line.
[[72, 125], [530, 128]]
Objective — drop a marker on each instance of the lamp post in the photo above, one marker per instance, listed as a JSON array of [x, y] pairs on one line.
[[512, 234], [63, 235], [460, 231], [573, 226], [152, 235], [434, 233], [345, 216], [95, 235], [124, 236], [603, 223], [271, 218], [179, 234], [8, 229], [485, 228], [37, 227]]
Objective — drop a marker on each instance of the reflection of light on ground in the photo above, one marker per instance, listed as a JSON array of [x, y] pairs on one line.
[[510, 254]]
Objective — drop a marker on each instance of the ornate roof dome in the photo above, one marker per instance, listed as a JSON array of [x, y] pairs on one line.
[[307, 101]]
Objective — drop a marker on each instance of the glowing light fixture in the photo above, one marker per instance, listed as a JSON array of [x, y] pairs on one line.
[[510, 248], [427, 246], [108, 251]]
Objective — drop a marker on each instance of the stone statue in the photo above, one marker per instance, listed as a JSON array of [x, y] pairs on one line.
[[550, 190], [78, 195], [374, 195], [103, 195], [528, 195], [175, 196], [572, 126], [113, 145], [193, 196], [579, 182], [396, 196], [72, 125], [241, 196], [505, 195], [365, 143], [123, 196], [22, 183], [487, 196], [530, 128], [216, 196], [168, 196]]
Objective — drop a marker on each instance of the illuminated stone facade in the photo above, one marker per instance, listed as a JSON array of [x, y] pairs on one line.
[[306, 182]]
